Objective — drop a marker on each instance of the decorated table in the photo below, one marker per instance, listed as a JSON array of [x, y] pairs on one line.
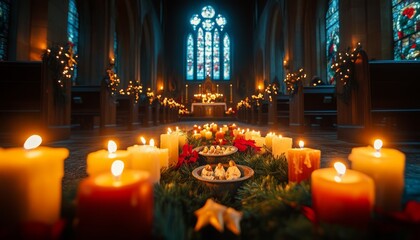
[[235, 185]]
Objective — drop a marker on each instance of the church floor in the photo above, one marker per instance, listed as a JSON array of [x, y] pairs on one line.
[[83, 142]]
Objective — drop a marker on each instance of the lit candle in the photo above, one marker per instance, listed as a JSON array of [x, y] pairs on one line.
[[302, 162], [145, 158], [342, 197], [386, 167], [259, 142], [186, 92], [225, 128], [280, 145], [117, 205], [269, 140], [30, 183], [170, 141], [220, 134], [203, 133], [231, 93], [214, 127], [209, 135], [196, 135], [101, 161]]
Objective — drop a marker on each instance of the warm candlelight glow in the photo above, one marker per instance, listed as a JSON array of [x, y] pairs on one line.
[[341, 170], [112, 147], [143, 140], [378, 144], [32, 142], [301, 144], [169, 131], [117, 168], [195, 131], [152, 142]]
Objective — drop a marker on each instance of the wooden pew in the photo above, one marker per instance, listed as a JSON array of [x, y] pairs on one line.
[[320, 106], [30, 104], [384, 104], [91, 104], [282, 111], [127, 111]]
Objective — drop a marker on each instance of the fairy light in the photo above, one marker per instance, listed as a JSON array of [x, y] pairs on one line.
[[293, 80]]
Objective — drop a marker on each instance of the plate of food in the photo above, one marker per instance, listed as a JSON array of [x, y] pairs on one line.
[[216, 150]]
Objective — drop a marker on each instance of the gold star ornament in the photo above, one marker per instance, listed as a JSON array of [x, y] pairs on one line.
[[232, 220], [212, 213]]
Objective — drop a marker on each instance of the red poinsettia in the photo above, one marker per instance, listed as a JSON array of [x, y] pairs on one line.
[[243, 145], [187, 156]]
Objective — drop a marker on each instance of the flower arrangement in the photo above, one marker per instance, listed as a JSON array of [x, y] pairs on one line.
[[294, 80], [244, 145], [62, 61], [187, 156]]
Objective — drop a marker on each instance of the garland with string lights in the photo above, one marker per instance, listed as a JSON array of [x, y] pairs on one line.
[[62, 61], [344, 69], [133, 89], [294, 80], [270, 90], [112, 80]]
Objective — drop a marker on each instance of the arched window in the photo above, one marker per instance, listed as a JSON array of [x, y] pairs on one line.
[[4, 27], [204, 47], [332, 27], [406, 25], [73, 30]]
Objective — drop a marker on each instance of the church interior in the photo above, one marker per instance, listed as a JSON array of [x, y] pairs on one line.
[[183, 119]]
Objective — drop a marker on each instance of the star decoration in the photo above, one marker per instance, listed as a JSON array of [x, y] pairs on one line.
[[232, 220], [218, 216], [212, 213]]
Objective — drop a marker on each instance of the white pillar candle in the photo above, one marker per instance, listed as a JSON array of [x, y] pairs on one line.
[[145, 158], [386, 167], [170, 141], [30, 183], [259, 142], [269, 140], [280, 145], [101, 160]]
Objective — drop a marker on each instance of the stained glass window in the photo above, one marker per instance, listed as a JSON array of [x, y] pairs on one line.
[[332, 36], [204, 47], [73, 30], [406, 25], [4, 27]]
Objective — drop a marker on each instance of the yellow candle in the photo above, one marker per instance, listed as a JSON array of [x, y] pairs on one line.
[[209, 135], [182, 139], [203, 133], [196, 135], [170, 141], [280, 145], [259, 142], [342, 196], [145, 158], [214, 127], [163, 156], [269, 140], [302, 162], [30, 183], [386, 167], [101, 160]]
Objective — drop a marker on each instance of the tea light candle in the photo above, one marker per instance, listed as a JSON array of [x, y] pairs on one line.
[[280, 145], [302, 162], [386, 167], [117, 205], [196, 135], [30, 183], [101, 161], [343, 197], [170, 141], [145, 158]]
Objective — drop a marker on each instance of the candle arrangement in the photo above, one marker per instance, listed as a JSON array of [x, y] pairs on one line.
[[302, 162]]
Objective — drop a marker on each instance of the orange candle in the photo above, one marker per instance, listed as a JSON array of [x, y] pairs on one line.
[[386, 167], [342, 197], [302, 162], [115, 206], [101, 160], [196, 135], [220, 134]]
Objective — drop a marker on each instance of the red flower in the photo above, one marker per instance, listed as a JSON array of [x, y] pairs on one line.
[[409, 12], [243, 145], [187, 156]]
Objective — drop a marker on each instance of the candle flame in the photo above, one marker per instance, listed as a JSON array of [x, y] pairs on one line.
[[377, 144], [117, 168], [143, 140], [112, 146], [176, 129], [341, 170], [195, 131], [169, 130], [301, 144], [221, 130], [152, 142], [32, 142]]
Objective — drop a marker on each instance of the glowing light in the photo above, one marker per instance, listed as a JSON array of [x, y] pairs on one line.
[[112, 147], [143, 140], [341, 170], [301, 144], [152, 142], [32, 142], [117, 168], [378, 144]]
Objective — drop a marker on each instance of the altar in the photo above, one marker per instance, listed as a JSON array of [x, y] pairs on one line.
[[216, 109]]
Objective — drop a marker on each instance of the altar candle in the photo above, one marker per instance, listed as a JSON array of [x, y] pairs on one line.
[[170, 141], [196, 135], [117, 205], [342, 197], [280, 145], [30, 183], [145, 158], [220, 134], [101, 160], [302, 162], [269, 140], [386, 167]]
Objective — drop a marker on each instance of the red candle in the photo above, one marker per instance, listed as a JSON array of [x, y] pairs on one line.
[[342, 197], [220, 134], [115, 206], [302, 162]]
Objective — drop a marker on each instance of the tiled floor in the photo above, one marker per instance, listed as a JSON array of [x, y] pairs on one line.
[[83, 142]]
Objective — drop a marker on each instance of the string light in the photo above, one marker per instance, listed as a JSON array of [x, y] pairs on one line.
[[293, 80]]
